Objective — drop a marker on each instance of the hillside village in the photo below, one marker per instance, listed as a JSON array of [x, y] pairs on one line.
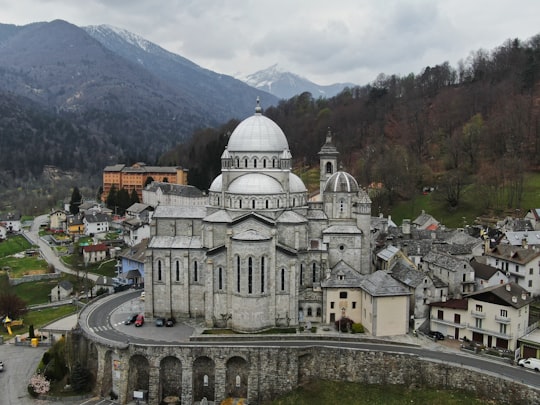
[[475, 284]]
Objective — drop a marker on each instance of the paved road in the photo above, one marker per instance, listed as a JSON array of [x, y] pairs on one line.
[[49, 254]]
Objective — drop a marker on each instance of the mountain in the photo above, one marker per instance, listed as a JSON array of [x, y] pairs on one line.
[[119, 97], [285, 85]]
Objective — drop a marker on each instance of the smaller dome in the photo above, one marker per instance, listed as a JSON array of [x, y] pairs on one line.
[[217, 184], [296, 185], [341, 182], [225, 154], [255, 183]]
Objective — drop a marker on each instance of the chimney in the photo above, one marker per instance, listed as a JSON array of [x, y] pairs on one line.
[[406, 227]]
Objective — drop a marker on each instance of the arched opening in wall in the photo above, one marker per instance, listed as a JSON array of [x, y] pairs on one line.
[[264, 163], [253, 204], [329, 168], [236, 378], [159, 270], [138, 375], [266, 203], [255, 163], [170, 378], [304, 366], [204, 379], [245, 163], [177, 265], [108, 367]]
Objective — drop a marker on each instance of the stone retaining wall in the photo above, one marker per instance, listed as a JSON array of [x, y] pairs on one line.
[[264, 373]]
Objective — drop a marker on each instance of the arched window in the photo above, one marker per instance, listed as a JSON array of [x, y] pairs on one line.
[[264, 163], [237, 162], [195, 272], [262, 274], [329, 167], [274, 163], [309, 312], [218, 201], [341, 205], [240, 203], [301, 273], [294, 202], [159, 270], [220, 278], [177, 270], [238, 274], [250, 275], [319, 311], [255, 163], [266, 203], [245, 163], [282, 279], [253, 204], [205, 380], [314, 272]]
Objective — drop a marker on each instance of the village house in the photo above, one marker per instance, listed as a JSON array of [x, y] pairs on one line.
[[11, 221], [425, 288], [96, 223], [132, 262], [384, 305], [521, 265], [494, 317], [103, 284], [456, 273], [61, 291], [533, 216], [57, 220], [425, 222], [75, 225], [486, 275], [95, 253]]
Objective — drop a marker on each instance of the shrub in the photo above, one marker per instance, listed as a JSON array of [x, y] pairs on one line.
[[313, 329], [357, 328], [38, 385], [344, 324]]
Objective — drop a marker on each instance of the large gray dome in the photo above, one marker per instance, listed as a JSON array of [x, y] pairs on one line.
[[296, 185], [341, 182], [257, 134], [255, 183]]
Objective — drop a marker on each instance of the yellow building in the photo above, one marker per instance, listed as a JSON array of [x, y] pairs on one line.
[[134, 177]]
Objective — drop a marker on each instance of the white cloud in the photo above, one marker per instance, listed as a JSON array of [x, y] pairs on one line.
[[346, 41]]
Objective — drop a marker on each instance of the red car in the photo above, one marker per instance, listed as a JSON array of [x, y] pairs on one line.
[[140, 320]]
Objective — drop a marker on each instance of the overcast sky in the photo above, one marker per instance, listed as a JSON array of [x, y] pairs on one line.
[[324, 41]]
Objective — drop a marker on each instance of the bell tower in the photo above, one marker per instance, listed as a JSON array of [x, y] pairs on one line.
[[328, 161]]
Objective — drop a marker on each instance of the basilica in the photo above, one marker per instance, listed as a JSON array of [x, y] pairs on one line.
[[262, 254]]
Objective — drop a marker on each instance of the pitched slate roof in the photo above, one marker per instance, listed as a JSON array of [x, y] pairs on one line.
[[514, 254], [460, 303], [407, 275], [173, 211], [136, 252], [482, 270], [100, 247], [510, 294], [380, 284], [175, 189], [342, 276], [444, 260], [175, 242]]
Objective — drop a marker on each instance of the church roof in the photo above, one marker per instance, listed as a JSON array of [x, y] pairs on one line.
[[342, 229], [257, 134], [175, 242], [175, 211], [291, 217], [219, 216], [341, 182], [255, 183]]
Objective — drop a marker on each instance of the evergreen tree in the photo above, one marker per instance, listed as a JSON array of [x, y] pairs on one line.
[[134, 198], [112, 198], [75, 201], [80, 378], [123, 201], [148, 181]]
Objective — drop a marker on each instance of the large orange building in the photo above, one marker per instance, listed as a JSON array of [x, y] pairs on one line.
[[134, 177]]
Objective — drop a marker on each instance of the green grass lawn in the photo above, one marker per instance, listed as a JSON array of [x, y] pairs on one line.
[[13, 244], [24, 266], [39, 318], [329, 392], [36, 292]]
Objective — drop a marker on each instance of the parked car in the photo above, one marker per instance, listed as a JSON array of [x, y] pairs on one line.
[[1, 366], [131, 319], [170, 322], [140, 320], [160, 321], [531, 362], [436, 335]]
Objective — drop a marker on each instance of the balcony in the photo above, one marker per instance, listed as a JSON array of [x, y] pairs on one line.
[[478, 314], [502, 319], [448, 323], [473, 328]]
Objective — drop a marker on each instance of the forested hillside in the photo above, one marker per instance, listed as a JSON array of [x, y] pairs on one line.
[[447, 127]]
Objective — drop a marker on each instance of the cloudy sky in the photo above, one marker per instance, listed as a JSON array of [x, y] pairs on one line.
[[324, 41]]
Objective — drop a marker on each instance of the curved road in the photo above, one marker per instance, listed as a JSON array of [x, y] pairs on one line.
[[104, 320]]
